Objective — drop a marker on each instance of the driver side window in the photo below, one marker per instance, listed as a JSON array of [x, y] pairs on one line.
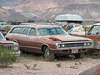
[[95, 31]]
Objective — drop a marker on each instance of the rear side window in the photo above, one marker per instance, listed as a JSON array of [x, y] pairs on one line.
[[17, 30], [25, 32], [32, 32]]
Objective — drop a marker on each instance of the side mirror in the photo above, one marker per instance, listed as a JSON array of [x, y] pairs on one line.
[[97, 34], [7, 38]]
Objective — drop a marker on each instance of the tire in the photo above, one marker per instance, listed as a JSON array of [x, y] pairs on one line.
[[79, 55], [46, 52]]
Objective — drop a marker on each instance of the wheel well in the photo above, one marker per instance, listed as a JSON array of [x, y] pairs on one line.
[[43, 47]]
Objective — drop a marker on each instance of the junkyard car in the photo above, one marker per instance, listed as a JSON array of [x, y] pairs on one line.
[[3, 31], [9, 45], [48, 38], [91, 71], [94, 33]]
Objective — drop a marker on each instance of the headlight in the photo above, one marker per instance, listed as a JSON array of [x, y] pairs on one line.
[[61, 45], [87, 44]]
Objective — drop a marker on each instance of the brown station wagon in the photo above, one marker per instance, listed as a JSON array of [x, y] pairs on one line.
[[48, 38]]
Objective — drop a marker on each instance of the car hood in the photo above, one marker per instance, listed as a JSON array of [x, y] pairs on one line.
[[67, 38], [7, 42]]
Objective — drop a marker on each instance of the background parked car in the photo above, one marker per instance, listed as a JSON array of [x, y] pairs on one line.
[[48, 38], [3, 31], [9, 45], [7, 27], [94, 34], [2, 23]]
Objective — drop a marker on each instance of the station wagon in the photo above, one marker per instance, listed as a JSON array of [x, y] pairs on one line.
[[50, 38]]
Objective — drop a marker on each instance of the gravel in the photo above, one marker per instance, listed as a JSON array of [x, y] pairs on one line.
[[67, 67]]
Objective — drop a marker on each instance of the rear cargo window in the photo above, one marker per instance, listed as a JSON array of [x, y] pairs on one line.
[[17, 30]]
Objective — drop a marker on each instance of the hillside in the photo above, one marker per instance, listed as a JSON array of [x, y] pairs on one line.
[[49, 9], [9, 2]]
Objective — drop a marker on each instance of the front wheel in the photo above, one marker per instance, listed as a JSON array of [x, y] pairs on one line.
[[80, 55], [47, 54]]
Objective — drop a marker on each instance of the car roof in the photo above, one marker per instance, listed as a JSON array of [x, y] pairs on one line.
[[38, 26]]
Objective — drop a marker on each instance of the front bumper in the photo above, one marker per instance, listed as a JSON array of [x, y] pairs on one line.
[[72, 47], [13, 48], [69, 52]]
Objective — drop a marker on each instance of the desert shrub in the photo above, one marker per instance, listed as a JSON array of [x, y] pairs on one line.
[[30, 21], [95, 43], [93, 51], [58, 65], [27, 66], [7, 58]]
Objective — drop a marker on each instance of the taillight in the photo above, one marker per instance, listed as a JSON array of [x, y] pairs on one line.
[[0, 30], [55, 39]]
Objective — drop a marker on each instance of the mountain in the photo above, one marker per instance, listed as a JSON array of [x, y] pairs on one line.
[[6, 13], [49, 9], [9, 2]]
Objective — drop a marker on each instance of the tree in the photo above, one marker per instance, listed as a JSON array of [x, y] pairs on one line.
[[30, 21]]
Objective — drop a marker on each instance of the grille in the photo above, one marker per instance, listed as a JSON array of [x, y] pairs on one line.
[[74, 44], [79, 45], [7, 47]]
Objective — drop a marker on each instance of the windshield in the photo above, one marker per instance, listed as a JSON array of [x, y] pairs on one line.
[[1, 37], [51, 31]]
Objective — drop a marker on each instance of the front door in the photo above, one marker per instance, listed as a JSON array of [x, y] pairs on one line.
[[94, 33]]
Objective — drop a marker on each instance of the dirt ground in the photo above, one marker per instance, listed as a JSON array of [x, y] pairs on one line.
[[25, 66]]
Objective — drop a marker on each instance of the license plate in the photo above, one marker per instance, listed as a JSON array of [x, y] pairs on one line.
[[75, 51]]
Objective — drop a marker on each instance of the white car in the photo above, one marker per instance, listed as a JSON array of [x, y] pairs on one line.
[[9, 45]]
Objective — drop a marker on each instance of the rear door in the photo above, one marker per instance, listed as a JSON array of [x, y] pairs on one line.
[[33, 41]]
